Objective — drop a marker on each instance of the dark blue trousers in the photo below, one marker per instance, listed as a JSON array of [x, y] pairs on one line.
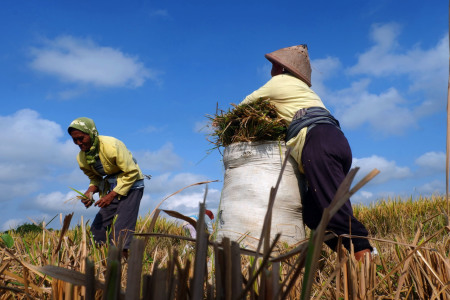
[[326, 160], [126, 209]]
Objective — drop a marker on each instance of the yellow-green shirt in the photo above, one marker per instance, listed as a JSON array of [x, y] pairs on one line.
[[288, 94], [115, 158]]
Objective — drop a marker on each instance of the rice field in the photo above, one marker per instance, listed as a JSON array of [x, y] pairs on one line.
[[411, 238]]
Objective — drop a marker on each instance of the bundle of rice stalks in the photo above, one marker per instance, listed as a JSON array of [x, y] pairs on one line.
[[253, 122]]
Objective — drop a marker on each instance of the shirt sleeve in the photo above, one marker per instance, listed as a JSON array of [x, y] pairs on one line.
[[263, 92]]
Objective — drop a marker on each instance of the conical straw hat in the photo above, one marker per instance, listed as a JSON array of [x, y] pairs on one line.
[[295, 59]]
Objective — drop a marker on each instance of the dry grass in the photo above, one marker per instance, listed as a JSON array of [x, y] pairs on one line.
[[391, 217], [253, 122], [413, 263]]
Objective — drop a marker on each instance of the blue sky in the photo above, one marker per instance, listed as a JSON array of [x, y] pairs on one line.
[[149, 72]]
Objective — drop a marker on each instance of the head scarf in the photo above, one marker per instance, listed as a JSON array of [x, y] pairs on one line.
[[87, 126]]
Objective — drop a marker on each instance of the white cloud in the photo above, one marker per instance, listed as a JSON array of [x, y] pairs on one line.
[[431, 162], [160, 187], [57, 202], [26, 131], [430, 188], [325, 67], [389, 110], [188, 203], [82, 61], [191, 200], [387, 58], [12, 224], [164, 185], [362, 197], [366, 194], [380, 59], [19, 188], [50, 204], [426, 69], [164, 159], [385, 113], [322, 69], [388, 169], [31, 152], [185, 202], [74, 177], [168, 183]]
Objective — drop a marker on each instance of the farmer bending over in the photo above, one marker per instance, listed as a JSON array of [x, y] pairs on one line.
[[318, 145], [114, 174]]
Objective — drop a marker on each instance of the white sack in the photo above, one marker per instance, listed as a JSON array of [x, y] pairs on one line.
[[251, 169]]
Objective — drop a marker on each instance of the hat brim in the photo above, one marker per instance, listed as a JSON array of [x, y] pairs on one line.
[[274, 59]]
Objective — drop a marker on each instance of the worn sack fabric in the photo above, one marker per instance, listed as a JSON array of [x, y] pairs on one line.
[[251, 170]]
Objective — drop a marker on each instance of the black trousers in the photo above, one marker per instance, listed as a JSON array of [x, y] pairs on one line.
[[126, 209], [326, 160]]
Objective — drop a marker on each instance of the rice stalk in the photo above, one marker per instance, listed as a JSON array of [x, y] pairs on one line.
[[253, 122]]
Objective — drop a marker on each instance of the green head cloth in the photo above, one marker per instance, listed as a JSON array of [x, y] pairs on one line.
[[87, 126]]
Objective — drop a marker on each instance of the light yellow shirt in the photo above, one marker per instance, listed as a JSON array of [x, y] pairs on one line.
[[115, 158], [288, 94]]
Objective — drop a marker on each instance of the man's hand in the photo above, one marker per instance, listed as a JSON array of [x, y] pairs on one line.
[[88, 201], [106, 200]]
